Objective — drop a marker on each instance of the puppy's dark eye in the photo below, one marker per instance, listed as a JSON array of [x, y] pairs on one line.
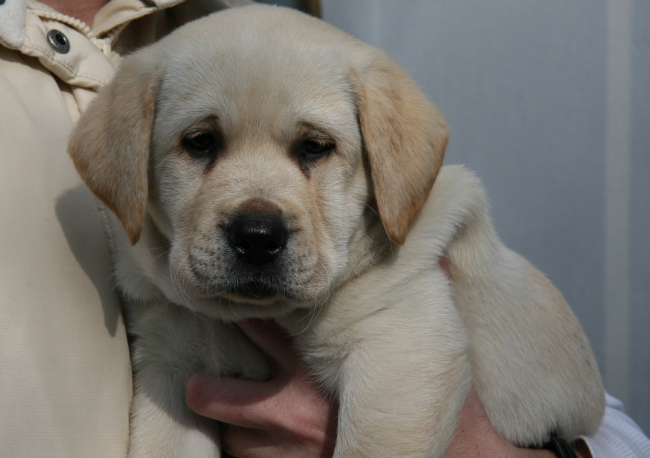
[[312, 150], [201, 144]]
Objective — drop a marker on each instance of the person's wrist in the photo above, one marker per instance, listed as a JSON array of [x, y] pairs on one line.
[[476, 437], [582, 449], [560, 448]]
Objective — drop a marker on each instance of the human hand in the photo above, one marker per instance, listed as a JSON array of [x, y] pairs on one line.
[[287, 416], [477, 438]]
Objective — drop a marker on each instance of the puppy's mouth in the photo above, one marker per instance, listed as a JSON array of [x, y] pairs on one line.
[[255, 292]]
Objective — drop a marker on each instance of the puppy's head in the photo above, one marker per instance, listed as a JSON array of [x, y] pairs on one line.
[[262, 143]]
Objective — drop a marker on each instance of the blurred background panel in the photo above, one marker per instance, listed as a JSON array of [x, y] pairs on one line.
[[549, 103]]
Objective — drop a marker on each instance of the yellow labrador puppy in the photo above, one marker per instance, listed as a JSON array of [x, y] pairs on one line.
[[265, 164]]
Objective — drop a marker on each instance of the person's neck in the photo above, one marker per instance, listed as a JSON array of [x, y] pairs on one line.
[[83, 10]]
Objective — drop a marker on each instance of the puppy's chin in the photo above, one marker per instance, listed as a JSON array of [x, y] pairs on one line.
[[227, 306], [253, 294], [229, 294]]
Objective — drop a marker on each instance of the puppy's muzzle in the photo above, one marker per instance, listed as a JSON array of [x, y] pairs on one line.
[[257, 233]]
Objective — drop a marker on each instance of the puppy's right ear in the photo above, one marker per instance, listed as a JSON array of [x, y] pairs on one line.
[[110, 144], [404, 137]]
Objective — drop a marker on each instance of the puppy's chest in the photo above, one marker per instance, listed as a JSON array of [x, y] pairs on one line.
[[171, 339], [325, 338]]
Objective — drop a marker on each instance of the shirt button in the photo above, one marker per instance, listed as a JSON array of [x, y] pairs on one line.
[[58, 41]]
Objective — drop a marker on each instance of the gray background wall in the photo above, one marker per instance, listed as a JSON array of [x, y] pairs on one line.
[[549, 102]]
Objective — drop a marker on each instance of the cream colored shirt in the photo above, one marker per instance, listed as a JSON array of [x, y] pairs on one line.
[[65, 377]]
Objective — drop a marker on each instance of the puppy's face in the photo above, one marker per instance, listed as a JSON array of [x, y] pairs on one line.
[[259, 180], [273, 152]]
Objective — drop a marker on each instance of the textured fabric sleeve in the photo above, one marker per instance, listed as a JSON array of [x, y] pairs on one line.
[[618, 436], [65, 371]]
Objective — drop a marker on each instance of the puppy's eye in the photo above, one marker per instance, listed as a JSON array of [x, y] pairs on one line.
[[201, 144], [311, 150]]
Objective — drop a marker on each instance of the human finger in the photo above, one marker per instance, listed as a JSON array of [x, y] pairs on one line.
[[240, 402]]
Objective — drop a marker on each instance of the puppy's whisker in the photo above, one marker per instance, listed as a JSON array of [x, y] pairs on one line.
[[372, 210], [187, 300], [320, 302], [234, 312]]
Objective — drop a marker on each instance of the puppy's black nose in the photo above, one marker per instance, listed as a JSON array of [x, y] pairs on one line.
[[258, 238]]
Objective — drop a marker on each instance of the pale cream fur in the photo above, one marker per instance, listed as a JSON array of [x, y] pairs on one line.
[[377, 321]]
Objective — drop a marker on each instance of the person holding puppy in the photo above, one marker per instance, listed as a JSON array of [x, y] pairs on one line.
[[60, 314]]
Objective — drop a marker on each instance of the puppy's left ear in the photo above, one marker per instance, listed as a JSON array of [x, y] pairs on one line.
[[404, 136], [110, 144]]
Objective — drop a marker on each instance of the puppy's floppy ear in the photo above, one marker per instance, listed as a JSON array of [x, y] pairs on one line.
[[110, 144], [405, 137]]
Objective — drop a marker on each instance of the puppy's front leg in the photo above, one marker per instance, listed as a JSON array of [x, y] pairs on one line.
[[165, 356], [171, 344], [405, 372], [162, 427]]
